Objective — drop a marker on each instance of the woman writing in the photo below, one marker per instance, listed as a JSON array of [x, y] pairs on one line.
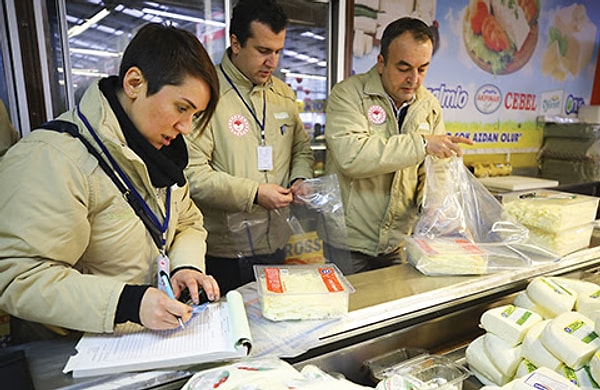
[[74, 254]]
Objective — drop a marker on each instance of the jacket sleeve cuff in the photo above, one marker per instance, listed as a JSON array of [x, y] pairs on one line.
[[130, 301]]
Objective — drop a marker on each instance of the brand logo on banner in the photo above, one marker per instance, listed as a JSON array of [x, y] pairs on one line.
[[551, 102], [376, 114], [238, 125], [488, 99]]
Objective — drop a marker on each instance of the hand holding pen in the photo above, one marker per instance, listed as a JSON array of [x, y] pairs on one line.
[[169, 290], [159, 312]]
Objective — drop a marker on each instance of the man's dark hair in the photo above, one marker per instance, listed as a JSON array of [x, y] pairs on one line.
[[166, 55], [419, 30], [267, 12]]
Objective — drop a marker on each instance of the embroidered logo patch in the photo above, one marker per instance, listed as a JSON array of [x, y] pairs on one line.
[[238, 125], [376, 114]]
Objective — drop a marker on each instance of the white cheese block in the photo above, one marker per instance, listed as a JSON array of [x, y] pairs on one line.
[[512, 18], [504, 357], [446, 256], [554, 211], [577, 285], [534, 350], [479, 361], [595, 367], [571, 337], [564, 242], [525, 367], [543, 378], [509, 322], [523, 300], [581, 377], [588, 305], [554, 297], [482, 378]]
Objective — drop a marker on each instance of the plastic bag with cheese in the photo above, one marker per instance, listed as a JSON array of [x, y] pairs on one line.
[[464, 229]]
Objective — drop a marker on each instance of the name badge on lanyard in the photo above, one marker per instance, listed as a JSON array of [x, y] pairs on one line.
[[265, 158], [162, 263]]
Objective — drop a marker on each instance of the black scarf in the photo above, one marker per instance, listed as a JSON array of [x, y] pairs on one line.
[[165, 165]]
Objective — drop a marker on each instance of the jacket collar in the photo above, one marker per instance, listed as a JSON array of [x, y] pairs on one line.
[[237, 77]]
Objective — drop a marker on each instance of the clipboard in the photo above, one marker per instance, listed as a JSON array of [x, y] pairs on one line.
[[219, 333]]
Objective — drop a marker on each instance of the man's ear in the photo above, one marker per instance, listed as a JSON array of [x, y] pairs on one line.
[[236, 46], [380, 63]]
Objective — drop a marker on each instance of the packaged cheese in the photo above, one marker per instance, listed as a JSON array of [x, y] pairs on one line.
[[534, 350], [581, 378], [589, 305], [525, 367], [595, 367], [523, 300], [509, 322], [553, 211], [446, 256], [307, 291], [571, 338], [563, 242], [504, 357], [577, 285], [479, 363], [554, 297], [543, 378]]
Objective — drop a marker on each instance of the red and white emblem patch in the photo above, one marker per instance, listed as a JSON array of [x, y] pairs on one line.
[[376, 114], [238, 125]]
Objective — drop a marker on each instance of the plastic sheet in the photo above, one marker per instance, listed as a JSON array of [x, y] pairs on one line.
[[464, 229]]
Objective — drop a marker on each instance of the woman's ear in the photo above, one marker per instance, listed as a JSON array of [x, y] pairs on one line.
[[133, 82]]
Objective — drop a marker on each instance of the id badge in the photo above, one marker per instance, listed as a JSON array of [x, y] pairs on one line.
[[162, 262], [265, 158]]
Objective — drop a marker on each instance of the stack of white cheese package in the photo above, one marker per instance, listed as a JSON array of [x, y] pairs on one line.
[[550, 331], [559, 221]]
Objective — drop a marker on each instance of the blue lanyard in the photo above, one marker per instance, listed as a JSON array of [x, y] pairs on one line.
[[260, 124], [161, 227]]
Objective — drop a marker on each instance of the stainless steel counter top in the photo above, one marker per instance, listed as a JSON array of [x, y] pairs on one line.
[[385, 301]]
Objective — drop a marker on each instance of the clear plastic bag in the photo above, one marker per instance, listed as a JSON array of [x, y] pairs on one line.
[[316, 214], [463, 229]]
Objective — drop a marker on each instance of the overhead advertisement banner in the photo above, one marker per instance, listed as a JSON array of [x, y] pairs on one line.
[[498, 65]]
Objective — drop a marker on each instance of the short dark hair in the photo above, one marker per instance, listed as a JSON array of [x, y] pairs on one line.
[[245, 12], [166, 55], [419, 30]]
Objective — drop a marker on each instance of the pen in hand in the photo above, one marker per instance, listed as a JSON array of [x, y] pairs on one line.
[[170, 293]]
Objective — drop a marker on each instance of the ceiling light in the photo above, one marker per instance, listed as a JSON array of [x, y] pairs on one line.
[[305, 76], [182, 17], [97, 53], [76, 30]]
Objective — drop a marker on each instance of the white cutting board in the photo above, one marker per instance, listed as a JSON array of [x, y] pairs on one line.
[[516, 183]]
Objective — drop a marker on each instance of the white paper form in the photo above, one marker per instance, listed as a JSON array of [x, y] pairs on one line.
[[207, 337]]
